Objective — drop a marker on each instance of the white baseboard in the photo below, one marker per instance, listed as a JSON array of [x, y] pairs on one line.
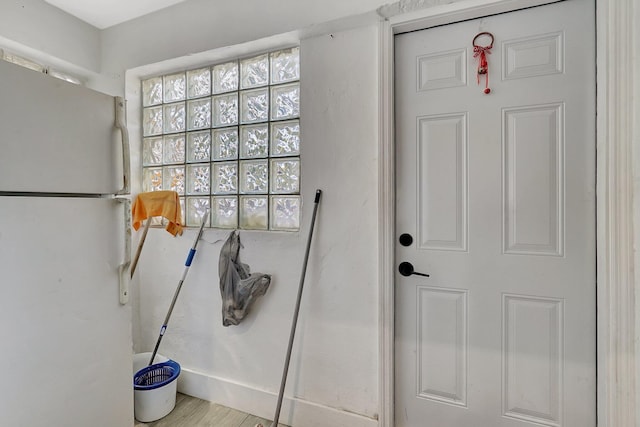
[[295, 412]]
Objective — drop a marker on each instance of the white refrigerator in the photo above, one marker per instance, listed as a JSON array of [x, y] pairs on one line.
[[65, 334]]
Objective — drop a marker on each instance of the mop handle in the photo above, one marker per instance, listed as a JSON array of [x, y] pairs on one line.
[[276, 417], [187, 264]]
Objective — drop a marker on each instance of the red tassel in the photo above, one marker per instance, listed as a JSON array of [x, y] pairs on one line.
[[481, 52], [483, 64]]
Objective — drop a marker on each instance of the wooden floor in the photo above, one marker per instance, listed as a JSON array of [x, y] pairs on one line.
[[194, 412]]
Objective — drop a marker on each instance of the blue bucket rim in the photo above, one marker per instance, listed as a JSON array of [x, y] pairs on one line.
[[172, 364]]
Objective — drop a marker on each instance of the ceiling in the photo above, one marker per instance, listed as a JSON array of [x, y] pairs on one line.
[[106, 13]]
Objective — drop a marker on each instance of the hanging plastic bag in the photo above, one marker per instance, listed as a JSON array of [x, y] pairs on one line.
[[238, 287]]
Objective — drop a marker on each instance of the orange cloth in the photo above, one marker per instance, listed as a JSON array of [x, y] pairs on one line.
[[158, 203]]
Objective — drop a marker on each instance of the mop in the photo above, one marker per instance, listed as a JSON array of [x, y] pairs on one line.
[[276, 418], [187, 264], [155, 203]]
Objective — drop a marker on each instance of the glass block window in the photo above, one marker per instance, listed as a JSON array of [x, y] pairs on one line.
[[227, 138]]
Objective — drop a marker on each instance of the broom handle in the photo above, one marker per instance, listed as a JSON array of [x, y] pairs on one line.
[[134, 264], [187, 264], [276, 417]]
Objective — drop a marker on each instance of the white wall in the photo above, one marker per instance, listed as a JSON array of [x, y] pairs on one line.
[[39, 26], [38, 31], [334, 367], [201, 25]]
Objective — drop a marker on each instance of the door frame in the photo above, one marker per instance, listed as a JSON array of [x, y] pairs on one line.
[[615, 108]]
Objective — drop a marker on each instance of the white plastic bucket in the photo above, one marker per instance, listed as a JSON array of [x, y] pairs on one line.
[[153, 404]]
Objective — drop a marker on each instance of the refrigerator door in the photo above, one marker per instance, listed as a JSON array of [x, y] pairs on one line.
[[56, 136], [66, 340]]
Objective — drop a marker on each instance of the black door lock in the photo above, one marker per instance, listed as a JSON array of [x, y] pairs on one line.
[[406, 239]]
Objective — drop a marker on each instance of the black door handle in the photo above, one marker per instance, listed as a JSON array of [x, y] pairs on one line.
[[406, 269]]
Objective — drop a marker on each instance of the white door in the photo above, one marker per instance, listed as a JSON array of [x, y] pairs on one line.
[[497, 192]]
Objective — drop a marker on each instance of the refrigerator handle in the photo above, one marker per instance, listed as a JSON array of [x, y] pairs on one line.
[[126, 160], [124, 276]]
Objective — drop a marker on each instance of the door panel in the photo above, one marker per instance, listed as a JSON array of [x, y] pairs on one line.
[[499, 192], [533, 180], [442, 182]]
